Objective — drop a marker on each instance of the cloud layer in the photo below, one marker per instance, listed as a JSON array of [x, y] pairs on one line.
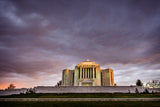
[[40, 38]]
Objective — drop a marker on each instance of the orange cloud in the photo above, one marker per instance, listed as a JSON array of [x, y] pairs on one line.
[[17, 84]]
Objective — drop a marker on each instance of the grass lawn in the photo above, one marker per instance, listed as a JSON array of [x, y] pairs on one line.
[[84, 95], [81, 104]]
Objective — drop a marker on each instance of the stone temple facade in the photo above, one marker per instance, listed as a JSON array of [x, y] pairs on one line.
[[87, 73]]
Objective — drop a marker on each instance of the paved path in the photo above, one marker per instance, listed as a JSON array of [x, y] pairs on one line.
[[79, 99]]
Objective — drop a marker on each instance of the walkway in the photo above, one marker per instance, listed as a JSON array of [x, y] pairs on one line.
[[79, 99]]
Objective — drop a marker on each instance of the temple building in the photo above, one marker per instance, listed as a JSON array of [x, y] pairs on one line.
[[87, 73]]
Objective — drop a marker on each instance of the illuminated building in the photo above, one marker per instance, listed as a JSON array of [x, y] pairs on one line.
[[87, 73]]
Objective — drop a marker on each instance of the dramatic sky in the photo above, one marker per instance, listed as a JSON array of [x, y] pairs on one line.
[[40, 38]]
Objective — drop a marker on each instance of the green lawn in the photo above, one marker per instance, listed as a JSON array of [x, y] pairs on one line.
[[83, 95], [81, 104]]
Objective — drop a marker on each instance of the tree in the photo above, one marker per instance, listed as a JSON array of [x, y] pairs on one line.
[[30, 91], [129, 91], [136, 91], [11, 86], [59, 83], [146, 91], [153, 84], [139, 83]]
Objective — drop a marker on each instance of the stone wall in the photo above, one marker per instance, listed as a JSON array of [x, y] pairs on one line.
[[89, 89], [80, 89], [12, 91]]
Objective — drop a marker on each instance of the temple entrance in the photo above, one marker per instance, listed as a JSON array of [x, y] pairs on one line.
[[86, 84]]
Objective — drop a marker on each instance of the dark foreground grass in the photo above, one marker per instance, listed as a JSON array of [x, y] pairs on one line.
[[84, 95], [81, 104]]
